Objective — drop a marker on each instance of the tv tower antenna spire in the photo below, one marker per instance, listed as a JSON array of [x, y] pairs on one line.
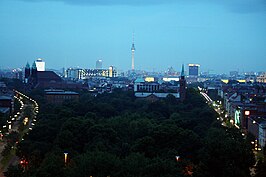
[[133, 54]]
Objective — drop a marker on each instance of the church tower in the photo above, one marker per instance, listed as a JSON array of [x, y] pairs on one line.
[[27, 73], [34, 72], [182, 85]]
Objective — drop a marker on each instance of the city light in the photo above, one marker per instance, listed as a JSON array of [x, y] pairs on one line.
[[65, 155], [177, 158]]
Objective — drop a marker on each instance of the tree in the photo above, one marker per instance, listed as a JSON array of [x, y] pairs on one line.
[[260, 169], [229, 157], [14, 171], [97, 164]]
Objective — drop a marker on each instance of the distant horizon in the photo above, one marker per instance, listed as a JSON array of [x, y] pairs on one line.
[[120, 70], [220, 36]]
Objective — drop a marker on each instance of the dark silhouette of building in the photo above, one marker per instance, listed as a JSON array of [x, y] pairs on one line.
[[193, 70], [27, 72], [59, 96], [33, 75], [182, 83], [42, 79]]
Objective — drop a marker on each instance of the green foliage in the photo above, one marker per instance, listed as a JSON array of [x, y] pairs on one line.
[[118, 135], [12, 138], [260, 170], [14, 171], [6, 150]]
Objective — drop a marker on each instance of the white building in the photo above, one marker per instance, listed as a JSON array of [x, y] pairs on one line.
[[262, 78], [40, 64]]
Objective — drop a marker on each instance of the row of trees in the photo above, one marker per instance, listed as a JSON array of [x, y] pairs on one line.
[[119, 135]]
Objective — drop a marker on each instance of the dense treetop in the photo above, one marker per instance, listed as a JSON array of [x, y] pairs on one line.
[[121, 136]]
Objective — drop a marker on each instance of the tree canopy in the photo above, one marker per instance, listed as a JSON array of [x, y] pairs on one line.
[[118, 135]]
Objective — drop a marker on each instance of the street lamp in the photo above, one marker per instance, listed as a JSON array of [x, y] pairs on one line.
[[66, 154], [177, 158]]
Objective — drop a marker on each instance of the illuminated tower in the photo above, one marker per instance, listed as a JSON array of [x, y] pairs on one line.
[[182, 83], [133, 53], [40, 64]]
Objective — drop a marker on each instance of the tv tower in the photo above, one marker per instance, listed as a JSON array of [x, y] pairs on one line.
[[132, 53]]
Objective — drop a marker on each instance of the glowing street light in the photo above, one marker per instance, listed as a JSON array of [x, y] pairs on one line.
[[26, 120], [177, 158], [66, 154]]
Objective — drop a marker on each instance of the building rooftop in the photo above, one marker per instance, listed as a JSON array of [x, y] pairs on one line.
[[62, 93], [4, 110], [48, 76], [5, 97], [159, 95], [139, 80]]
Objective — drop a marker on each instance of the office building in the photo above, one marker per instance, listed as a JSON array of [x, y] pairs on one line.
[[193, 69], [99, 64], [40, 64]]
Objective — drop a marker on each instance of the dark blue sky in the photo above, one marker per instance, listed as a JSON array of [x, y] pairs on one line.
[[220, 35]]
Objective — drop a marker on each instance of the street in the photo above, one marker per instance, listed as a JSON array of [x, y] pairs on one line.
[[16, 120]]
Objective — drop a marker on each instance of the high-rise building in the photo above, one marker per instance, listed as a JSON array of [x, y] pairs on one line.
[[112, 72], [99, 64], [133, 55], [40, 64], [193, 69]]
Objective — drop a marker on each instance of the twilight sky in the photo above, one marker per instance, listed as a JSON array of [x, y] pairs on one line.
[[221, 35]]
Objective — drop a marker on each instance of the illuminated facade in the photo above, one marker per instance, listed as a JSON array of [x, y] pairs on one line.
[[262, 78], [111, 71], [237, 117], [149, 79], [40, 64], [77, 73], [152, 90], [140, 85]]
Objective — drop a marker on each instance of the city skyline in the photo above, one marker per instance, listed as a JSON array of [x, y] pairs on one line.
[[220, 36]]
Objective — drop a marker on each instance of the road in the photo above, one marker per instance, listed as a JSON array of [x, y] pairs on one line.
[[222, 119], [26, 103]]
